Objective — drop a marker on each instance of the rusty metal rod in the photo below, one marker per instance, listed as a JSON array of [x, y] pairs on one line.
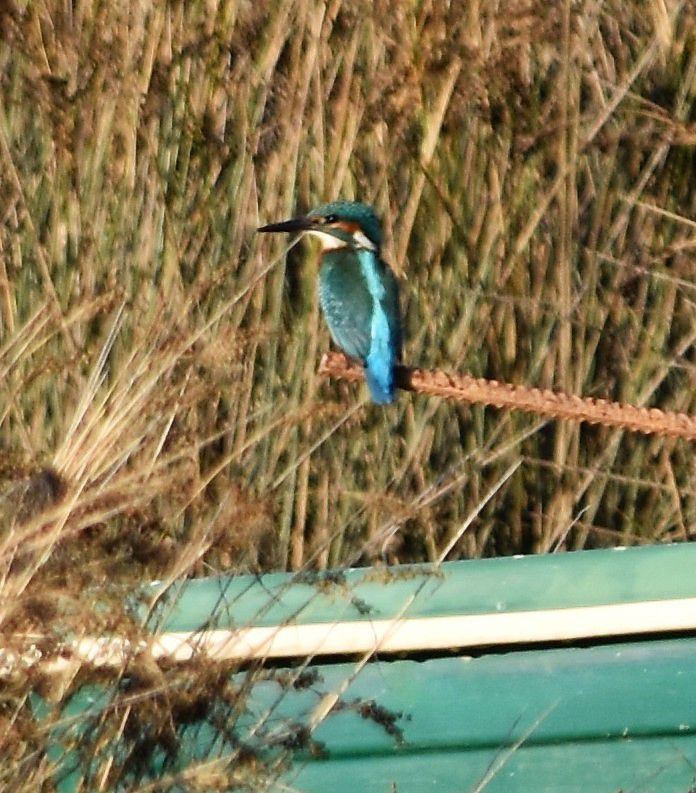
[[541, 401]]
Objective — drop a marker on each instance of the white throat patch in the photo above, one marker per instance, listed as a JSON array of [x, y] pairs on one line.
[[329, 242], [361, 241]]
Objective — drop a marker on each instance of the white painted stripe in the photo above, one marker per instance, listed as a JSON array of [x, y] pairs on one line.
[[396, 635]]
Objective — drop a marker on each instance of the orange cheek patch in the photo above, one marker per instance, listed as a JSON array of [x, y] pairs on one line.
[[351, 228]]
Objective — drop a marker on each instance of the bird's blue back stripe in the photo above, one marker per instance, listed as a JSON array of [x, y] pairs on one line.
[[382, 355]]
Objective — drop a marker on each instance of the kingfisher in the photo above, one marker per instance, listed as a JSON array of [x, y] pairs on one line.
[[358, 291]]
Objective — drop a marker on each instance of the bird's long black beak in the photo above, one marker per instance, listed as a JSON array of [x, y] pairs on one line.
[[294, 224]]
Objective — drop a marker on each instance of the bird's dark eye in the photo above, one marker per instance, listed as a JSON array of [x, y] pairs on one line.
[[330, 219]]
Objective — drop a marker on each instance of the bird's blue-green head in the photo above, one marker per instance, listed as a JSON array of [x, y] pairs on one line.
[[339, 224]]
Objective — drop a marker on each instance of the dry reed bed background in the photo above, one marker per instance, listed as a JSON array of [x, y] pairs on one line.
[[161, 413]]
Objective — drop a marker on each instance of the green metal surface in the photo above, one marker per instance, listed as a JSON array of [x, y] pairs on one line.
[[610, 718], [527, 583], [660, 765], [603, 717]]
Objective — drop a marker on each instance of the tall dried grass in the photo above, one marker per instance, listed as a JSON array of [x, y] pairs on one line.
[[160, 411]]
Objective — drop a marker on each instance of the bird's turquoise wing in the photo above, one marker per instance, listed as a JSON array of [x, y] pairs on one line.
[[346, 302], [359, 297]]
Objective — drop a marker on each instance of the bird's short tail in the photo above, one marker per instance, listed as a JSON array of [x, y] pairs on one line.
[[379, 374]]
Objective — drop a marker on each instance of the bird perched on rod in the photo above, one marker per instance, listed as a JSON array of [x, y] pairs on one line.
[[358, 292]]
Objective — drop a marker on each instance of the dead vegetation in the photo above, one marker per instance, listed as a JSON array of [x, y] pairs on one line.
[[161, 414]]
